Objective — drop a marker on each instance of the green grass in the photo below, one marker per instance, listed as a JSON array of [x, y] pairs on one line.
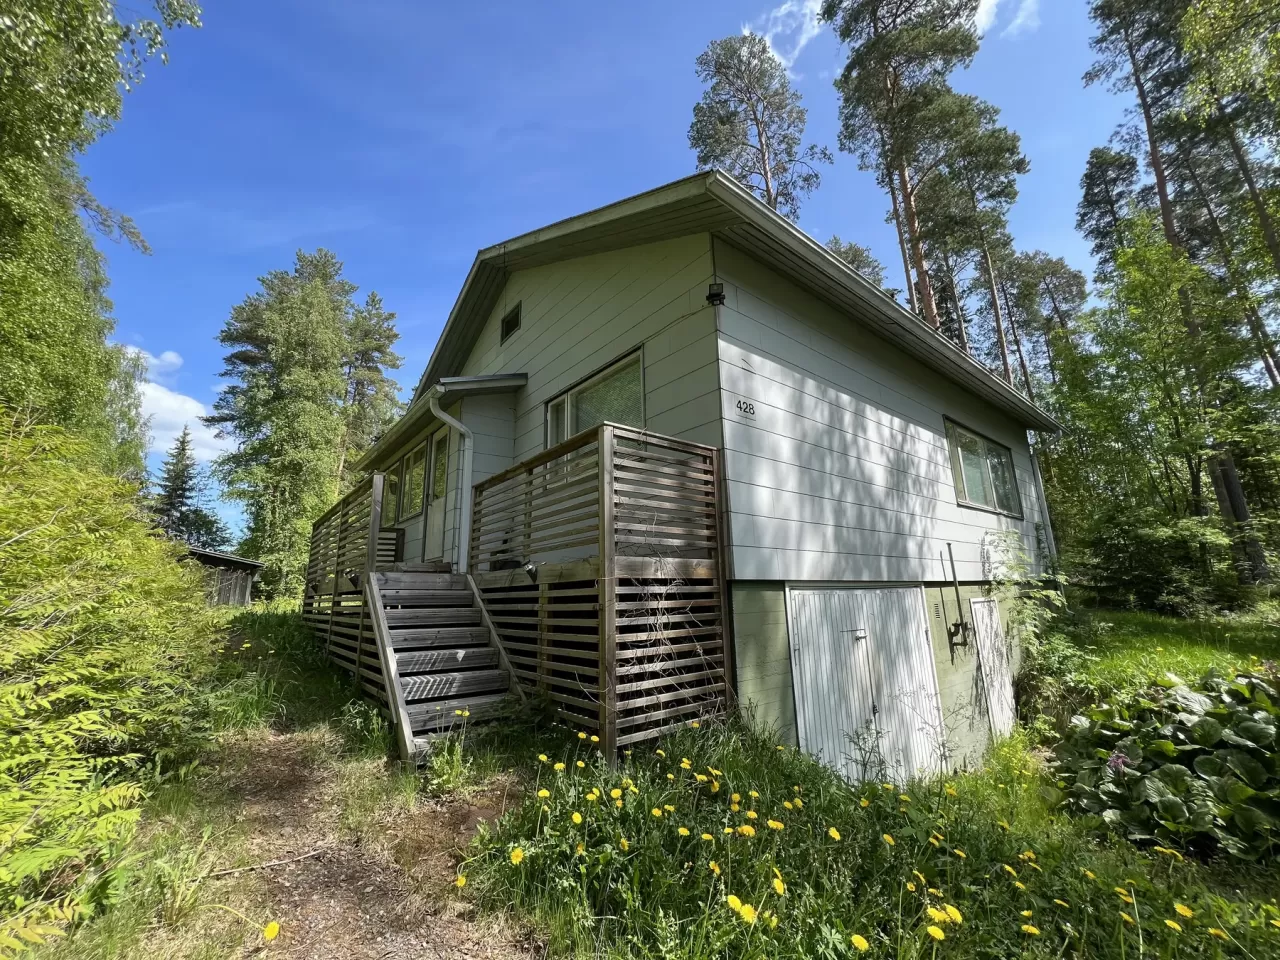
[[663, 858]]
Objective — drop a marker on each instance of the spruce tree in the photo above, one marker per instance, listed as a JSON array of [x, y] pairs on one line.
[[177, 500]]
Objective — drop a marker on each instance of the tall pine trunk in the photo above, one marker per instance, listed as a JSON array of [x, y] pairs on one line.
[[1017, 343], [924, 289], [902, 241]]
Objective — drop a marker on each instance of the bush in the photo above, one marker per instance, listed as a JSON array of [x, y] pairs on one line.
[[103, 636], [1186, 767], [717, 843]]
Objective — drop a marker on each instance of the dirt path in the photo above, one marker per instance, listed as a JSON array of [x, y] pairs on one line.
[[390, 896]]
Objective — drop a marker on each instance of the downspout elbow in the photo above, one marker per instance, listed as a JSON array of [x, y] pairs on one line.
[[463, 546]]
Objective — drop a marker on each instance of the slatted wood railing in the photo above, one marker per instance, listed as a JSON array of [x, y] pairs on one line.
[[600, 566]]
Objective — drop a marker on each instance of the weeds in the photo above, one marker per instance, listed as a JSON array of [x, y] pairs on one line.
[[717, 842]]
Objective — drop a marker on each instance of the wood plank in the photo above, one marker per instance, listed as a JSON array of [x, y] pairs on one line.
[[443, 686], [428, 616], [438, 637], [460, 658]]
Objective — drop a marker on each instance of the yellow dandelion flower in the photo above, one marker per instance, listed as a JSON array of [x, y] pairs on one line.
[[543, 794], [747, 830], [1019, 884], [779, 886], [581, 735], [460, 881], [950, 791], [1220, 934], [715, 786], [938, 916], [714, 772], [671, 776], [1061, 903], [753, 794], [955, 915], [728, 829], [935, 932], [911, 887], [625, 844], [580, 764], [576, 818], [799, 803], [1125, 917], [1126, 898], [934, 841], [695, 724], [542, 757], [517, 855], [656, 811], [888, 838], [618, 804], [1030, 931], [1027, 914], [683, 831], [661, 753], [558, 768], [271, 931], [594, 738], [1090, 874], [592, 796], [669, 808], [960, 853], [1173, 925], [735, 798], [1003, 824], [580, 849], [788, 804], [707, 836], [752, 815], [864, 802], [734, 903], [1027, 855], [685, 764], [747, 913], [779, 747], [887, 786], [1182, 910], [860, 943], [700, 777], [833, 833], [904, 798], [1009, 870], [615, 793], [774, 824], [715, 867]]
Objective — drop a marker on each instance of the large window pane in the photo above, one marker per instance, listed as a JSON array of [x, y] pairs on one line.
[[973, 462], [440, 469], [391, 497], [615, 397], [415, 477], [1003, 479]]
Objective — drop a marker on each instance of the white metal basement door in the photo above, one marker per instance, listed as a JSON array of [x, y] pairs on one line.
[[866, 687], [995, 662]]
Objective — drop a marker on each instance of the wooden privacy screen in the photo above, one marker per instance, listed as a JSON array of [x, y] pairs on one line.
[[600, 564], [346, 542]]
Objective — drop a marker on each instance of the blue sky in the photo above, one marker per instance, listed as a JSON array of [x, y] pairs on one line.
[[405, 135]]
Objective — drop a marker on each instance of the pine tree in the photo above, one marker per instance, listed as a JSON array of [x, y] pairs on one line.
[[177, 499], [859, 257], [369, 400], [750, 123]]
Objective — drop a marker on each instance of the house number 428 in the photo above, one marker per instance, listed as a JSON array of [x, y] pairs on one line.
[[746, 408]]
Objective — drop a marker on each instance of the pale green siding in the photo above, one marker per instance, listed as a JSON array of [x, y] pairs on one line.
[[764, 657]]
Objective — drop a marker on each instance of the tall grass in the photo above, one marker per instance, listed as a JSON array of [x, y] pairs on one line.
[[719, 843]]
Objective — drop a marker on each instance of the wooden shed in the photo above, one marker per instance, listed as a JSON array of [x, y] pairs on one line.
[[229, 578]]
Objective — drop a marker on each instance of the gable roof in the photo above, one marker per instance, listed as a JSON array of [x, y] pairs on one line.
[[714, 203]]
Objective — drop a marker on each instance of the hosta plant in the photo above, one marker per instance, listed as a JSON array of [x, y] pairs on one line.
[[1189, 766]]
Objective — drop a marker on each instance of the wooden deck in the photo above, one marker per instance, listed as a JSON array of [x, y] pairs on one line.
[[596, 581], [600, 564]]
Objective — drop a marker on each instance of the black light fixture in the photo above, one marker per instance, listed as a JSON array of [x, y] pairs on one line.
[[530, 571], [715, 294]]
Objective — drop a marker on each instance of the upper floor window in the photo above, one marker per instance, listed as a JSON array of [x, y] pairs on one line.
[[510, 323], [615, 395], [983, 472]]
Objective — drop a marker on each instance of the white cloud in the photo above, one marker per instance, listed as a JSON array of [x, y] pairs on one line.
[[169, 411], [1026, 19], [788, 28], [986, 15]]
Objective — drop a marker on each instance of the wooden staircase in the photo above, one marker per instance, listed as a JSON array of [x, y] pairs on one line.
[[444, 664]]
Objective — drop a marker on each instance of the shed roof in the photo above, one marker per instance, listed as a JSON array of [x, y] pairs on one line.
[[216, 558], [712, 202]]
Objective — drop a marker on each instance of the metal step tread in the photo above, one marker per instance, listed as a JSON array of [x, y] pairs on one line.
[[442, 660], [450, 684], [424, 616], [410, 638]]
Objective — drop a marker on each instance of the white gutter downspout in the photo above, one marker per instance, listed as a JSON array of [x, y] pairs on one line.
[[463, 545]]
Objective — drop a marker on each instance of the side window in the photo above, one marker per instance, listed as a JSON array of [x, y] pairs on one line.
[[615, 395], [391, 496], [510, 323], [983, 472], [415, 474]]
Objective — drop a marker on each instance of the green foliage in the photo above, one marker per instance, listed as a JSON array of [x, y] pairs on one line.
[[859, 257], [308, 397], [104, 637], [635, 876], [1194, 767], [1235, 47], [177, 500], [749, 123]]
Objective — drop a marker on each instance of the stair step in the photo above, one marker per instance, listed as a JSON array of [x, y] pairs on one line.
[[443, 686], [421, 581], [432, 616], [410, 638], [424, 717], [427, 598], [433, 661], [429, 566]]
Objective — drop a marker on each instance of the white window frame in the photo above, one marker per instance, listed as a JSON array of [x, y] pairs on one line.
[[957, 470], [566, 399]]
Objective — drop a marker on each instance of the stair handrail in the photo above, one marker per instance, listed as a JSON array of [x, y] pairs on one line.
[[494, 639], [390, 668]]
